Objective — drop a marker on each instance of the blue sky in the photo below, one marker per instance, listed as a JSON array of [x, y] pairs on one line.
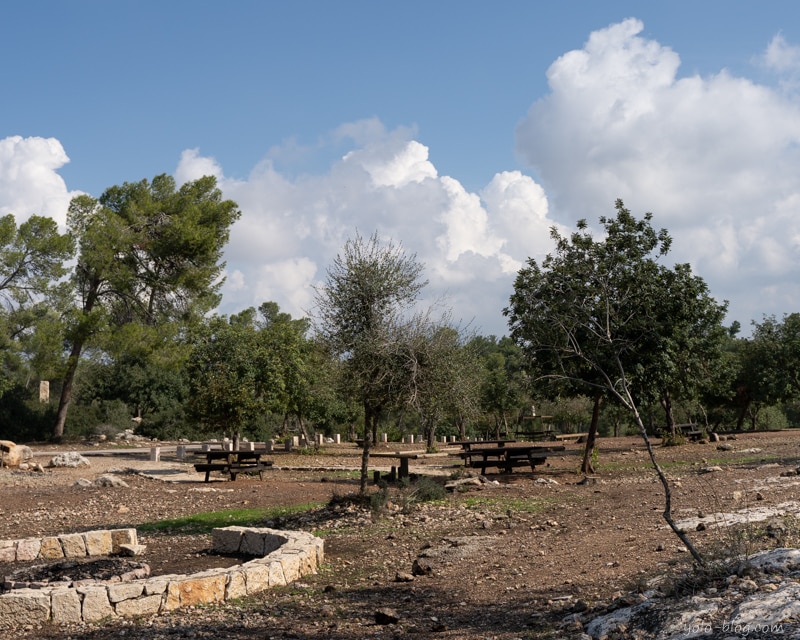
[[462, 129]]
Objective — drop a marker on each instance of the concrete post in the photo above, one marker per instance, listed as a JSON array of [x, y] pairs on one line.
[[155, 454]]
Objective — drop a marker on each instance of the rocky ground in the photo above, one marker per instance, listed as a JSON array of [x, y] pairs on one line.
[[515, 556]]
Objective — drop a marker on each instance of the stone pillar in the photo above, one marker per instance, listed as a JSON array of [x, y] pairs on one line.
[[337, 438], [269, 445], [288, 443], [384, 437], [180, 452], [44, 391], [205, 447], [155, 454]]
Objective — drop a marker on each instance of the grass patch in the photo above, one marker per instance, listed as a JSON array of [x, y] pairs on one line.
[[200, 523], [523, 505]]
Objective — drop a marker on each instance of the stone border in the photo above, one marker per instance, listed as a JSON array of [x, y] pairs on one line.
[[283, 557]]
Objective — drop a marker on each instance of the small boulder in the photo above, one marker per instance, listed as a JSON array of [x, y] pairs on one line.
[[71, 459], [17, 455], [386, 616]]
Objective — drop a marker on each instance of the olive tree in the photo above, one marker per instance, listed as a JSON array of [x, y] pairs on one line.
[[362, 311]]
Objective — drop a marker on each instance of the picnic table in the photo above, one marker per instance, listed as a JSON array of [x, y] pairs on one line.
[[505, 458], [232, 462], [405, 456]]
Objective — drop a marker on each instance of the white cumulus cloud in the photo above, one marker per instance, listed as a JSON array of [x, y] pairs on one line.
[[714, 158], [470, 244], [29, 179]]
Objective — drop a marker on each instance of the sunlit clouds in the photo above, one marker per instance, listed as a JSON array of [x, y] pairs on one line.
[[715, 158]]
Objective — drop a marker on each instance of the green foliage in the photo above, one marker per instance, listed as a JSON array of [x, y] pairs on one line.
[[771, 418], [106, 417], [200, 523], [22, 417], [148, 254]]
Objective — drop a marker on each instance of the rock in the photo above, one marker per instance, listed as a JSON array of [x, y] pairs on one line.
[[17, 455], [83, 482], [71, 459], [725, 447], [386, 616], [109, 481], [131, 550], [402, 576], [712, 469], [422, 567]]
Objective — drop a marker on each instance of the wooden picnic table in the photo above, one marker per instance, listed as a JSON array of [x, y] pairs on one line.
[[232, 462], [505, 458], [405, 456]]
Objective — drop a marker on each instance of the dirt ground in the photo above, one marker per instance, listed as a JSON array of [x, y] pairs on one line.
[[507, 559]]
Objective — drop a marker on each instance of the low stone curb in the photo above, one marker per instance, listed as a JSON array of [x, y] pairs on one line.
[[282, 557]]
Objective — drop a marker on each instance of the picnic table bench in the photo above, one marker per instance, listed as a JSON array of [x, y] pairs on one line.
[[232, 462], [505, 458]]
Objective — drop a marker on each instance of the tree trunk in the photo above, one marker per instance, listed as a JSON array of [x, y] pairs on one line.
[[742, 415], [66, 390], [462, 427], [587, 466], [666, 402], [369, 427], [303, 430]]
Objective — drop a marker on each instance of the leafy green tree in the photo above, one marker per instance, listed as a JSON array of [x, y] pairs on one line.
[[32, 263], [361, 315], [441, 375], [148, 253], [769, 366], [606, 315]]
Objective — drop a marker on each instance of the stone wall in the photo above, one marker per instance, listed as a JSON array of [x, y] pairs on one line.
[[282, 557]]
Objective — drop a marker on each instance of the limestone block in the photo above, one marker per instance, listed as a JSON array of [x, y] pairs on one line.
[[24, 606], [65, 606], [227, 539], [28, 549], [18, 454], [120, 591], [122, 536], [253, 543], [96, 606], [194, 590], [51, 549], [156, 586], [73, 545], [273, 541], [319, 546], [8, 553], [98, 543], [256, 576], [147, 606], [276, 576], [236, 586], [291, 566]]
